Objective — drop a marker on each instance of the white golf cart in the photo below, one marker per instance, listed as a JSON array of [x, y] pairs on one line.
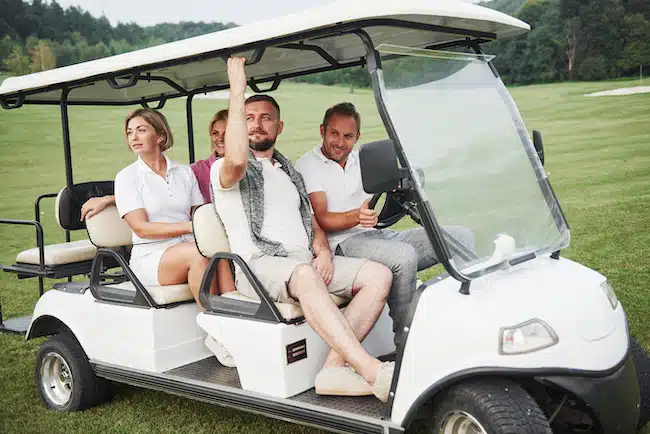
[[513, 338]]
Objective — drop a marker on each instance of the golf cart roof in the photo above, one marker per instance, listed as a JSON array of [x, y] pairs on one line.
[[315, 40]]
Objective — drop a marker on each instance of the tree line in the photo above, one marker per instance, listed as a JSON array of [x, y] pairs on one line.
[[574, 40], [569, 40], [37, 36]]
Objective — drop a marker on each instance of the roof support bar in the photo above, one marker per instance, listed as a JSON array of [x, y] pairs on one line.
[[276, 83], [315, 48], [257, 56], [12, 103], [161, 103], [131, 81], [165, 80], [190, 126], [65, 127]]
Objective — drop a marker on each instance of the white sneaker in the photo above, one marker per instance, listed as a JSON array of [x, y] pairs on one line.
[[222, 354]]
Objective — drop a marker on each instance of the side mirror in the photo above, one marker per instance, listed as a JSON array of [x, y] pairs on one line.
[[539, 145], [379, 170]]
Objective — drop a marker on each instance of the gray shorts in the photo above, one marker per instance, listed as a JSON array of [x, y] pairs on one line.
[[274, 273]]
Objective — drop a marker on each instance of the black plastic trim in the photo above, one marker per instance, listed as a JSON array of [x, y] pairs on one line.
[[266, 310], [65, 128], [161, 103], [11, 103], [142, 297], [171, 83], [190, 126], [132, 80], [274, 85], [277, 408], [315, 48], [28, 271]]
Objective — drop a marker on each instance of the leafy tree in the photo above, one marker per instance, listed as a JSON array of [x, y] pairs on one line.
[[637, 43], [17, 63], [42, 57]]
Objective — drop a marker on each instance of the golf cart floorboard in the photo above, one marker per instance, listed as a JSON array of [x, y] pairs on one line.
[[208, 381], [211, 371]]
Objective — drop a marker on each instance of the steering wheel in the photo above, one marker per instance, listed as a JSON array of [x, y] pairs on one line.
[[397, 205]]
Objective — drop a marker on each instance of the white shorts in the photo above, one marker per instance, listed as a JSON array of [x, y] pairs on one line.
[[145, 258]]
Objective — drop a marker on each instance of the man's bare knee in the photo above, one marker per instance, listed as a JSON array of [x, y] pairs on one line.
[[301, 279], [375, 275]]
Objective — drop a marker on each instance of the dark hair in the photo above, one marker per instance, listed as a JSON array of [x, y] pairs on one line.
[[343, 109], [260, 97]]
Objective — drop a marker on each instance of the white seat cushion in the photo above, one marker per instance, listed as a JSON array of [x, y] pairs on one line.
[[287, 310], [161, 294], [108, 229], [59, 254], [209, 233]]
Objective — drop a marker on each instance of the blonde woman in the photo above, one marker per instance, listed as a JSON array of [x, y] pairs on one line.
[[201, 168], [156, 197]]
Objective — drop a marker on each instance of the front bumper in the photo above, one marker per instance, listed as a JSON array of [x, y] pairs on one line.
[[614, 400]]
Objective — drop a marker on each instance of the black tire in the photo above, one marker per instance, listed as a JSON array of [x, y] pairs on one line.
[[499, 406], [642, 365], [82, 390]]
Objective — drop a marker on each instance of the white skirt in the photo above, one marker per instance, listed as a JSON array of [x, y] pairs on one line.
[[145, 258]]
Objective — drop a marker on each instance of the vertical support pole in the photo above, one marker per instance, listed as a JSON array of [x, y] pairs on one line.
[[190, 126], [65, 127]]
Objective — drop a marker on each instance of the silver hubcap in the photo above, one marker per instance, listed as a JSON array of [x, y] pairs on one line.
[[459, 422], [56, 379]]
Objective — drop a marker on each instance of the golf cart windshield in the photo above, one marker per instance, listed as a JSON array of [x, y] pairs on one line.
[[458, 125]]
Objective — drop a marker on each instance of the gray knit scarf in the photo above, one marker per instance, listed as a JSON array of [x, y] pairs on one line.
[[252, 196]]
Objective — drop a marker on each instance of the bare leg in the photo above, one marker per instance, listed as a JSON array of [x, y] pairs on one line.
[[371, 288], [226, 280], [327, 320], [183, 263]]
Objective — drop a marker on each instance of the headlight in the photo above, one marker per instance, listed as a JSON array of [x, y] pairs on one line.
[[527, 337], [611, 295]]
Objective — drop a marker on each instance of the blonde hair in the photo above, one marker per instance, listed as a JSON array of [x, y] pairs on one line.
[[221, 115], [159, 123]]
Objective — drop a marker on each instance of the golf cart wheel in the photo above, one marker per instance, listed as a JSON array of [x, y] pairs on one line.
[[64, 378], [642, 365], [488, 407]]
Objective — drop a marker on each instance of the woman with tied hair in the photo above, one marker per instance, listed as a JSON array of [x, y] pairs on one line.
[[201, 168], [156, 197]]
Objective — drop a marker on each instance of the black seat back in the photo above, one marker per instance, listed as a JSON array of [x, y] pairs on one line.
[[70, 200]]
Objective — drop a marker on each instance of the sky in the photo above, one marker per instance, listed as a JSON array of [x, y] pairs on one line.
[[150, 12]]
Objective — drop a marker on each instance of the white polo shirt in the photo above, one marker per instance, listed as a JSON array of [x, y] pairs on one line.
[[282, 218], [342, 186], [169, 201]]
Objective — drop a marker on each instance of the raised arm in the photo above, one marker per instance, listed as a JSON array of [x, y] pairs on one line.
[[235, 162]]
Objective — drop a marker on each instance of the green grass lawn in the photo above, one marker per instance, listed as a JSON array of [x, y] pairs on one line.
[[597, 153]]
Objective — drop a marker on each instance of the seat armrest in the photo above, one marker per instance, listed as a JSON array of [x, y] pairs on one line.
[[39, 236]]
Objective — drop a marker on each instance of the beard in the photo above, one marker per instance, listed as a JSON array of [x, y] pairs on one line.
[[262, 146]]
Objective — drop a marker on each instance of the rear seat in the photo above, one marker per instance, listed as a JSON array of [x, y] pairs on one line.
[[211, 238], [108, 230], [66, 259]]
